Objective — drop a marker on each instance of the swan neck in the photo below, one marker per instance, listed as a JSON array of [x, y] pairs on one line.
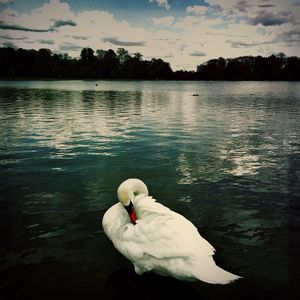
[[131, 188]]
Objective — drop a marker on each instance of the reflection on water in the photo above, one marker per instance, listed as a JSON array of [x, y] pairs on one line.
[[227, 159]]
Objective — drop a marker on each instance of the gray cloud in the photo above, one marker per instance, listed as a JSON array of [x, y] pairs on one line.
[[84, 38], [8, 37], [165, 39], [242, 6], [197, 53], [224, 34], [218, 8], [240, 44], [268, 18], [289, 37], [21, 28], [56, 24], [78, 37], [263, 16], [266, 5], [47, 42], [9, 45], [69, 47], [61, 23], [4, 2], [117, 42]]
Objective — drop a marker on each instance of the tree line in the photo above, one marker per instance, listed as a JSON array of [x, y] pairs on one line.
[[107, 64], [104, 64], [274, 67]]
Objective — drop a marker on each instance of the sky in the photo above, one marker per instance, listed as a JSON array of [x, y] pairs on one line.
[[183, 33]]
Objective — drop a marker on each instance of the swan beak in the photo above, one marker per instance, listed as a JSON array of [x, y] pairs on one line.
[[131, 212]]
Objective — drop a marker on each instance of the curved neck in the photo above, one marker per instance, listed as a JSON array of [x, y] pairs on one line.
[[129, 189]]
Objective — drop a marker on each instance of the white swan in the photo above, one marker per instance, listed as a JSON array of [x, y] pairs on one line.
[[155, 238]]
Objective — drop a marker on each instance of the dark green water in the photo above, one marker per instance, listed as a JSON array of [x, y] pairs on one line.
[[228, 159]]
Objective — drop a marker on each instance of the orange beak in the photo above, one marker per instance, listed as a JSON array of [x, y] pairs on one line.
[[131, 212], [132, 216]]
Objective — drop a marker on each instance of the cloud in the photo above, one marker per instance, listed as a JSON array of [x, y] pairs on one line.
[[231, 4], [21, 28], [220, 5], [78, 37], [242, 6], [47, 18], [224, 34], [197, 9], [290, 36], [69, 47], [162, 3], [257, 12], [189, 22], [117, 42], [226, 28], [268, 18], [8, 37], [266, 5], [5, 1], [56, 24], [9, 45], [61, 23], [166, 39], [47, 42], [165, 21], [240, 44], [197, 53]]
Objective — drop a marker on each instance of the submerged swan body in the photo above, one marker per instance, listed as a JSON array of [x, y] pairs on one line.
[[155, 238]]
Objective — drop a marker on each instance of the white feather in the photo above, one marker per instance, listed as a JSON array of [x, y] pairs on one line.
[[162, 241]]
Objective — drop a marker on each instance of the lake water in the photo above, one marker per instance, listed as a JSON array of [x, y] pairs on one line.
[[226, 155]]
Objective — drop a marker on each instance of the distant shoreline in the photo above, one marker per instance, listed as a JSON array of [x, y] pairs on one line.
[[42, 64], [120, 79]]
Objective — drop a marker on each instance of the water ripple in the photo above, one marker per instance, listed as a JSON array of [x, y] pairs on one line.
[[227, 159]]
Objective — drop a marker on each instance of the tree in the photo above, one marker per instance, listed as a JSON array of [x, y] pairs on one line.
[[87, 54], [109, 64], [138, 56], [274, 67], [100, 53], [292, 69], [87, 64], [123, 56], [158, 69]]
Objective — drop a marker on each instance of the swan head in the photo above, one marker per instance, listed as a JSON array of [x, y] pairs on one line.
[[127, 192]]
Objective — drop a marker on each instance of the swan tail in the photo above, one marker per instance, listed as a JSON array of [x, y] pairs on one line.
[[215, 275]]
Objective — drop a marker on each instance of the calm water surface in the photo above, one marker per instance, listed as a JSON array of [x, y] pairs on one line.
[[224, 154]]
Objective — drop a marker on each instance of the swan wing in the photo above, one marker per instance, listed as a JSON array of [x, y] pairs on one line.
[[161, 233]]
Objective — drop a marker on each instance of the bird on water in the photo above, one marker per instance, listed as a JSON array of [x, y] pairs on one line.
[[157, 239]]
